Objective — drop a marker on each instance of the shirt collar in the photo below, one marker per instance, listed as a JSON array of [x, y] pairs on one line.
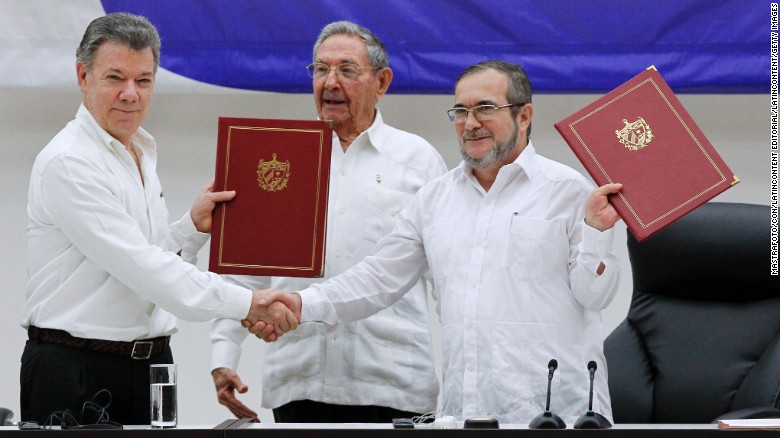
[[375, 136], [524, 161]]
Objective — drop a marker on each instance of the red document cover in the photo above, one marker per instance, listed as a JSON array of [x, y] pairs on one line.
[[640, 135], [280, 170]]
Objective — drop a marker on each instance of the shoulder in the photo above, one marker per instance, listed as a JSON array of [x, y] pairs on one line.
[[408, 148], [556, 172], [71, 145], [442, 184]]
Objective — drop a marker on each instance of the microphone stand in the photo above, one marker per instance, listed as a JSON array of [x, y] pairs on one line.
[[592, 420], [548, 420]]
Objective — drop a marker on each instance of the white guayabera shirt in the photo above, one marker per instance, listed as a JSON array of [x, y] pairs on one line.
[[515, 268]]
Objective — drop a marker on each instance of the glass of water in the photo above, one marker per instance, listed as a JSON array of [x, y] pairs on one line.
[[162, 392]]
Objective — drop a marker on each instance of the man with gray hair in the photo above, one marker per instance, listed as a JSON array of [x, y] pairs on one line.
[[379, 368], [105, 280]]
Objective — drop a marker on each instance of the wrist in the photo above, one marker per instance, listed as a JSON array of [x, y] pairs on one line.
[[298, 303]]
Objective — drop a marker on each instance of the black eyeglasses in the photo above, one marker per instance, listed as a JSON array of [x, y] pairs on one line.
[[481, 112]]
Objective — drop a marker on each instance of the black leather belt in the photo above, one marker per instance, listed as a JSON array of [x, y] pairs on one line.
[[141, 349]]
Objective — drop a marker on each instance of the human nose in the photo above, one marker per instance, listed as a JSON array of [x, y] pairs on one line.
[[129, 91], [471, 120], [331, 78]]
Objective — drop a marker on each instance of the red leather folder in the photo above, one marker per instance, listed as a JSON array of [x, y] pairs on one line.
[[640, 135], [280, 170]]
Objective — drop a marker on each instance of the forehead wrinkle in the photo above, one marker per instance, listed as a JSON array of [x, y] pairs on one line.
[[342, 62]]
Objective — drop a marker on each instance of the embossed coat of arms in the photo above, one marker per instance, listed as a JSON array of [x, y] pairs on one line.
[[635, 135], [273, 175]]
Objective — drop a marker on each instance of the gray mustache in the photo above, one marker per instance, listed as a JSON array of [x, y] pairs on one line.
[[474, 135]]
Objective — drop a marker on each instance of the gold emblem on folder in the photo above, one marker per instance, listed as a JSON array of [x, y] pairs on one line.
[[635, 135], [273, 175]]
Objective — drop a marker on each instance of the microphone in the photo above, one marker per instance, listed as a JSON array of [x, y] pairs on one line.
[[548, 420], [592, 420]]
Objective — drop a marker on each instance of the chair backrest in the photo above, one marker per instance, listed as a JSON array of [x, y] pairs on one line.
[[702, 335]]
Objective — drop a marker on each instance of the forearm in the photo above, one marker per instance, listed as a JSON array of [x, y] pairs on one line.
[[594, 290]]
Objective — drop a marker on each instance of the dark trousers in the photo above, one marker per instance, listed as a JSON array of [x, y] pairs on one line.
[[56, 377], [307, 411]]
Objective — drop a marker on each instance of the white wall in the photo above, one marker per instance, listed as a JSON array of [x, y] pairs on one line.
[[185, 128]]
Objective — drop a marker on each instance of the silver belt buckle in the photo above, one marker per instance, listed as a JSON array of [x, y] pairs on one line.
[[142, 350]]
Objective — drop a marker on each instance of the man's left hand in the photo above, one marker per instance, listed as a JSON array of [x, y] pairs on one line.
[[599, 213], [201, 211]]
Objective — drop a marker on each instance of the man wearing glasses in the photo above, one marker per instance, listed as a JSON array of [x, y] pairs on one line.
[[519, 248], [379, 368]]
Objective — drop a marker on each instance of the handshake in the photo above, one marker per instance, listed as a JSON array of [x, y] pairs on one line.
[[272, 314]]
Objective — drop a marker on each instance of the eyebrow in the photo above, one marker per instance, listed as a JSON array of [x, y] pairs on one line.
[[113, 70]]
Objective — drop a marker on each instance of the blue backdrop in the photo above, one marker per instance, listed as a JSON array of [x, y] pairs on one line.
[[566, 46]]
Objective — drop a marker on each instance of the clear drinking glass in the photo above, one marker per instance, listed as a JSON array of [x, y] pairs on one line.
[[162, 395]]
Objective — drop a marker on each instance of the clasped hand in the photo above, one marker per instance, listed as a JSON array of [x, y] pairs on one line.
[[272, 314]]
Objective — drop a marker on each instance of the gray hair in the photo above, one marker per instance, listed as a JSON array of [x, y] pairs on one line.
[[377, 54], [133, 31], [519, 90]]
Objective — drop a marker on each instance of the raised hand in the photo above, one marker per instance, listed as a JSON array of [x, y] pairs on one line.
[[227, 383], [201, 211], [599, 213]]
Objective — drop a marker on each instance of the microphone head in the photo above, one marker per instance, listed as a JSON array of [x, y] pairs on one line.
[[552, 365], [592, 365]]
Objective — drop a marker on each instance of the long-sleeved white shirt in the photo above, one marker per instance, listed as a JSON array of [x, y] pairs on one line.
[[101, 255], [515, 268], [385, 360]]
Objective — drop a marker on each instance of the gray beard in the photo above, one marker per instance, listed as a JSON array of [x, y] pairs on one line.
[[496, 155]]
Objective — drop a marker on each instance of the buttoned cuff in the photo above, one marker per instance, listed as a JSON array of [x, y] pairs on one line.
[[227, 335], [312, 305], [225, 354], [182, 228], [192, 245], [236, 301], [596, 242]]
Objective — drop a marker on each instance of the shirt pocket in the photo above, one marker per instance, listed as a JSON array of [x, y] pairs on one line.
[[517, 361], [530, 247], [294, 356], [381, 207], [385, 352]]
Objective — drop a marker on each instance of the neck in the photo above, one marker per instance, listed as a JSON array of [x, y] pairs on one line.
[[349, 131], [486, 176], [133, 154], [347, 136]]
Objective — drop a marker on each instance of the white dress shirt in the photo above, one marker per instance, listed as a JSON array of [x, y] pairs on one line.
[[515, 270], [102, 260], [385, 360]]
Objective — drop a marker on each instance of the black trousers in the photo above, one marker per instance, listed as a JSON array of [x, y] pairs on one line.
[[56, 377], [308, 411]]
